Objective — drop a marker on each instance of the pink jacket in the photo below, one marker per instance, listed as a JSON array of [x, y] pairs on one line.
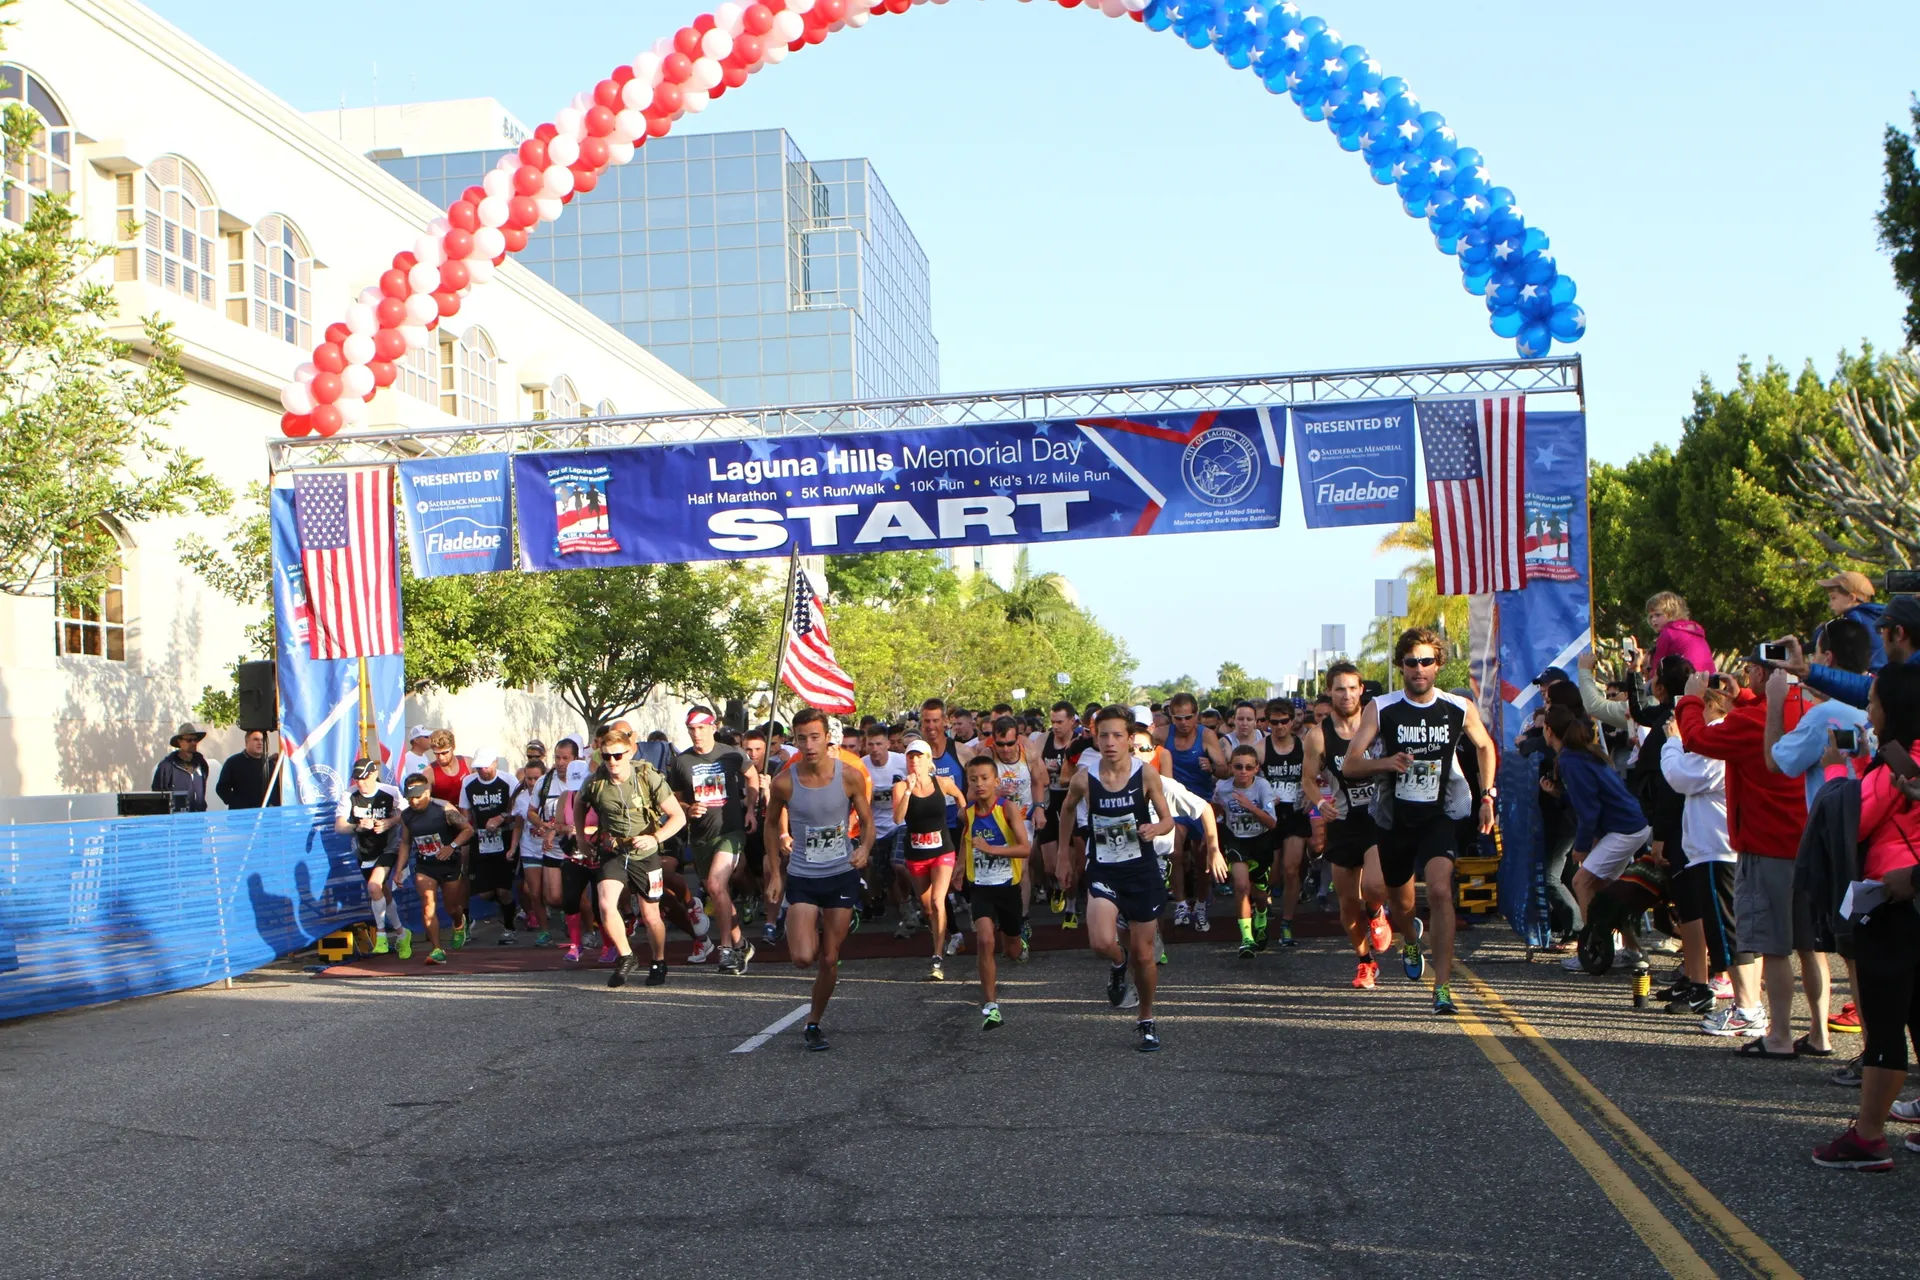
[[1889, 825], [1687, 638]]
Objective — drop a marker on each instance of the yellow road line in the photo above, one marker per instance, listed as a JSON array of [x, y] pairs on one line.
[[1735, 1236], [1660, 1235]]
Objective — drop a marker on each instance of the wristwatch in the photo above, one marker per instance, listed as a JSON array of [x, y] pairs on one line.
[[1490, 793]]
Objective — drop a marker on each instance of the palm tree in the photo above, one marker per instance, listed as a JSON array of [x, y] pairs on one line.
[[1031, 598], [1426, 607]]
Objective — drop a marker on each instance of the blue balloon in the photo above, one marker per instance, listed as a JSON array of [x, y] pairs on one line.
[[1363, 72], [1535, 340], [1475, 282], [1535, 242], [1538, 269], [1349, 136], [1569, 323], [1469, 179], [1448, 245], [1442, 206], [1393, 87], [1399, 108], [1535, 302], [1416, 206], [1155, 16], [1197, 37], [1563, 290], [1507, 324], [1507, 225], [1323, 45], [1503, 291], [1314, 110], [1413, 184], [1476, 246], [1311, 27]]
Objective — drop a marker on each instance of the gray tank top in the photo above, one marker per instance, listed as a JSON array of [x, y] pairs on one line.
[[817, 817]]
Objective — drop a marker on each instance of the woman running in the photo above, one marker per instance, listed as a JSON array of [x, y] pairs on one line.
[[920, 802]]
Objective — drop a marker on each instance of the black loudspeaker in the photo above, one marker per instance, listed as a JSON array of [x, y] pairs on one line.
[[736, 717], [259, 708], [145, 804]]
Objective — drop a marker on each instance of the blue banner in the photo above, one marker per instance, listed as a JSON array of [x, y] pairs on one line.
[[458, 514], [320, 700], [1024, 482], [1356, 462]]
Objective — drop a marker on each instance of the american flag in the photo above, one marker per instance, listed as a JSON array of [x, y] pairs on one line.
[[809, 667], [344, 522], [1476, 487]]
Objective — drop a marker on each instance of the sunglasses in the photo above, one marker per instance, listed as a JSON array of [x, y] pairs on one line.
[[613, 755], [1412, 661], [1145, 750]]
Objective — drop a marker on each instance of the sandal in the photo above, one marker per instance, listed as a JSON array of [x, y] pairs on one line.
[[1803, 1048], [1757, 1048]]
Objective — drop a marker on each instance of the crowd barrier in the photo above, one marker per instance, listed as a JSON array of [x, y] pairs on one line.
[[97, 911]]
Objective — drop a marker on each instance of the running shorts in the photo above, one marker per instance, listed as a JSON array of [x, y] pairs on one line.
[[385, 853], [1255, 851], [1406, 851], [829, 893], [1348, 840], [1139, 900], [643, 873], [1704, 892], [1294, 822], [923, 867], [732, 843], [999, 903], [491, 872], [444, 870]]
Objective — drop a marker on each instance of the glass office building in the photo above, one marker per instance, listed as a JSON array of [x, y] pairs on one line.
[[763, 276]]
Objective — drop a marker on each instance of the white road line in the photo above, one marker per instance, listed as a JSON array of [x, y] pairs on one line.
[[754, 1042]]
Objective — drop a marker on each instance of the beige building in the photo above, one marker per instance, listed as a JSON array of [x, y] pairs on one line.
[[256, 227]]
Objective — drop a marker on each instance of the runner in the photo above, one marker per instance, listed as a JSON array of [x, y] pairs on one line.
[[1351, 836], [1184, 804], [753, 860], [920, 802], [1245, 802], [626, 810], [720, 788], [579, 862], [371, 814], [1197, 754], [966, 737], [529, 849], [436, 833], [886, 767], [418, 757], [1245, 730], [995, 848], [947, 764], [448, 771], [1295, 793], [1062, 745], [679, 903], [486, 799], [1417, 812], [809, 808], [1122, 880], [1016, 764]]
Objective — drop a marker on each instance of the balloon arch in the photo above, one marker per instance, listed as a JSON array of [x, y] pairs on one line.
[[1502, 259]]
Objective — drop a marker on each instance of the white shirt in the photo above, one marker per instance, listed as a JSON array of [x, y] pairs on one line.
[[1703, 816], [412, 764], [884, 776]]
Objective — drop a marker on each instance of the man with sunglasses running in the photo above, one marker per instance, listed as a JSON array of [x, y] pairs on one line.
[[634, 812], [1422, 796], [1295, 792], [1351, 836]]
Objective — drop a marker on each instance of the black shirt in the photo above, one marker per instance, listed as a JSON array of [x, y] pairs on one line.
[[717, 779]]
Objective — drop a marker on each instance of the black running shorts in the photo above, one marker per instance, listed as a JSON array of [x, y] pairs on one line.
[[999, 903], [1405, 852]]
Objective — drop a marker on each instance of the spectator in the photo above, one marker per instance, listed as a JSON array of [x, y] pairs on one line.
[[1609, 828], [1850, 595], [1565, 917], [1703, 890], [1663, 804], [185, 771], [1843, 646], [244, 774], [418, 757], [1899, 630], [1676, 632]]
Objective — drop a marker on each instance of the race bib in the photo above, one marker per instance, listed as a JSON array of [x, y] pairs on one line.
[[990, 870], [492, 841], [1360, 795], [709, 785], [656, 884], [925, 841], [430, 847], [1242, 823], [1286, 792], [1115, 838], [826, 844], [1420, 784]]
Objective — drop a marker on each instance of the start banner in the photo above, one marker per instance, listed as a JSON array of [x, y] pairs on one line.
[[1044, 481]]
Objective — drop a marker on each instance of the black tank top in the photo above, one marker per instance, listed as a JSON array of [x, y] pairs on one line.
[[1052, 757], [430, 833], [1432, 788], [927, 835], [1358, 795], [1283, 773], [1116, 852]]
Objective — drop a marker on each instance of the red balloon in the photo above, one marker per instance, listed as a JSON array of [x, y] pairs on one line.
[[389, 345], [327, 418], [704, 23], [675, 68], [393, 283], [463, 216], [718, 91], [668, 98], [830, 11], [686, 42], [527, 180], [657, 126], [814, 35], [385, 371], [295, 424], [500, 257], [459, 244], [607, 94], [522, 211], [534, 152], [328, 358], [584, 180], [755, 20], [621, 74], [326, 387], [338, 333], [731, 77], [599, 121], [748, 49], [473, 196], [594, 152], [449, 302], [454, 276], [568, 198], [391, 313], [547, 132], [515, 237]]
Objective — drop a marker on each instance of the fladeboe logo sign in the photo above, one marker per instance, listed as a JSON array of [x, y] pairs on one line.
[[1356, 462], [457, 514]]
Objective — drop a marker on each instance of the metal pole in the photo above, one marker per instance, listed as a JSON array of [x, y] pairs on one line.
[[780, 650]]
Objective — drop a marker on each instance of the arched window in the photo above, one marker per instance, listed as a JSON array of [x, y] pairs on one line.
[[47, 165], [177, 216], [563, 401], [418, 377], [605, 409], [468, 369], [281, 267], [96, 627]]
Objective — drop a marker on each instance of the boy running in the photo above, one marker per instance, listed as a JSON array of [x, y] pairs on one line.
[[1295, 793], [1245, 802], [994, 853], [486, 798], [371, 813]]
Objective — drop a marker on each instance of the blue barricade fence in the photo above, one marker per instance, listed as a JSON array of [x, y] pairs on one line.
[[98, 911], [1523, 880]]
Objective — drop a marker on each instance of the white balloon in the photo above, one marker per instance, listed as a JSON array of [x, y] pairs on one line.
[[550, 208], [489, 243], [480, 270], [707, 73], [358, 349], [498, 184], [493, 213], [508, 162], [417, 335], [558, 180], [296, 398], [857, 18], [353, 410], [429, 251], [569, 122], [664, 45], [637, 94], [1112, 8], [627, 125], [360, 319], [789, 26], [562, 150], [581, 101], [799, 6], [620, 151], [775, 55], [371, 295], [439, 227], [304, 374], [716, 44], [357, 378], [646, 70], [422, 278], [728, 17], [697, 101], [421, 308]]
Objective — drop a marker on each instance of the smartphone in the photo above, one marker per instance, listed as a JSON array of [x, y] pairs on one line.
[[1903, 582], [1899, 762], [1630, 646], [1846, 741], [1772, 652]]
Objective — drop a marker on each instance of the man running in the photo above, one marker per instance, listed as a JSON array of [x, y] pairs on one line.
[[436, 832], [1059, 749], [809, 808], [486, 799], [529, 849], [885, 766], [627, 810], [371, 814], [1426, 796], [1295, 793], [1016, 765], [1351, 836], [1198, 759], [1123, 878], [994, 852], [720, 788]]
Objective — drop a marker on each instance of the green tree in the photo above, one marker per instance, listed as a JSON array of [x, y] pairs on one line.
[[1233, 684], [879, 578], [242, 571], [1426, 607], [1038, 598], [457, 632], [1899, 216]]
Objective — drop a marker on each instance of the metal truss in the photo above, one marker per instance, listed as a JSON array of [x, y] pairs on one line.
[[1545, 377]]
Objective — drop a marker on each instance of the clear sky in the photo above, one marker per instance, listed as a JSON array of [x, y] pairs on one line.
[[1101, 203]]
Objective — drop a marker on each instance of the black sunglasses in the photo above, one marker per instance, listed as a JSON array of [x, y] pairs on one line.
[[1411, 661], [613, 755]]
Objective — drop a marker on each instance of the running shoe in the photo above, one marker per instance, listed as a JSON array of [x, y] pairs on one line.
[[1200, 924], [741, 955], [1851, 1151], [505, 939], [1732, 1021], [1026, 931], [901, 929], [1163, 957], [1411, 961], [1057, 902], [726, 961], [854, 921], [989, 1016], [1380, 932], [1365, 974], [954, 942], [1722, 987], [622, 967], [436, 956], [379, 943], [1848, 1077], [1181, 914], [1627, 957], [698, 915], [1026, 952], [702, 951], [609, 953], [771, 933], [404, 947], [543, 939], [1246, 951], [1116, 984], [1695, 1000], [1132, 999], [1286, 934], [936, 972], [1072, 921], [572, 954], [1848, 1019], [460, 935], [1912, 1143], [1907, 1112], [814, 1038], [1443, 999], [1572, 965], [1149, 1040], [657, 974]]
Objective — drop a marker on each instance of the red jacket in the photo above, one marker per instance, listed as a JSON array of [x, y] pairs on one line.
[[1766, 811]]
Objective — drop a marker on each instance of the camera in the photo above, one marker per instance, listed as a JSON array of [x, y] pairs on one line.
[[1770, 651], [1903, 582], [1846, 740]]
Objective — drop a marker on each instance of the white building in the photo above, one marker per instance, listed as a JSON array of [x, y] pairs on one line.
[[256, 228]]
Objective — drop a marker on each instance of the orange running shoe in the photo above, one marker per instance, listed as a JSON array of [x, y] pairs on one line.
[[1380, 933], [1364, 975]]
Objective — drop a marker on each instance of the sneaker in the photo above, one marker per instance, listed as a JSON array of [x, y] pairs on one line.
[[771, 933], [459, 935], [954, 942], [1200, 924], [1026, 952], [1572, 965], [1851, 1151], [379, 944], [1748, 1022], [901, 929], [1365, 974], [1286, 934], [700, 920], [726, 962], [609, 954], [741, 955], [1246, 951], [1912, 1143], [657, 974], [506, 938], [814, 1038], [436, 956], [936, 972], [1729, 1022], [1132, 999], [1848, 1019], [404, 947], [543, 939], [1072, 921], [989, 1016], [1380, 932], [1057, 902], [1848, 1077], [1721, 986], [572, 954], [1181, 914], [855, 920], [1116, 984], [1694, 1000], [1411, 961], [1149, 1040], [621, 968], [1906, 1112], [1443, 999], [702, 951], [1627, 957]]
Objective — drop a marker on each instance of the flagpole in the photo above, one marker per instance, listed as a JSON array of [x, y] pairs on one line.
[[786, 616]]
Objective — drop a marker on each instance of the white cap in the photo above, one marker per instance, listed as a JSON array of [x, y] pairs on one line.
[[419, 731], [918, 746], [1143, 715], [485, 757]]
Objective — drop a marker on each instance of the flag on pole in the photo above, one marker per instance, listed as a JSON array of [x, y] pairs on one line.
[[1475, 450], [345, 527], [809, 667]]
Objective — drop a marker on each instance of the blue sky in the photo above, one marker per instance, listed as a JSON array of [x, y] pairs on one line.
[[1101, 203]]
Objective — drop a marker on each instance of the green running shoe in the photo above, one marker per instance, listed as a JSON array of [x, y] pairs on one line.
[[404, 947], [990, 1017], [379, 944], [1443, 999], [459, 935], [437, 956]]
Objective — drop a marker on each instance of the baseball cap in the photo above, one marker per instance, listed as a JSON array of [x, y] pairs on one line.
[[1903, 612], [365, 768], [1852, 582], [418, 786], [485, 757], [919, 747], [1143, 715], [419, 731], [1552, 675]]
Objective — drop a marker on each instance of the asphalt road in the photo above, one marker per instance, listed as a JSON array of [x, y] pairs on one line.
[[539, 1124]]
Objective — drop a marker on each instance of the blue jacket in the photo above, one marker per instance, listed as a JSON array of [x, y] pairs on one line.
[[1602, 805], [1846, 686], [1868, 615]]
